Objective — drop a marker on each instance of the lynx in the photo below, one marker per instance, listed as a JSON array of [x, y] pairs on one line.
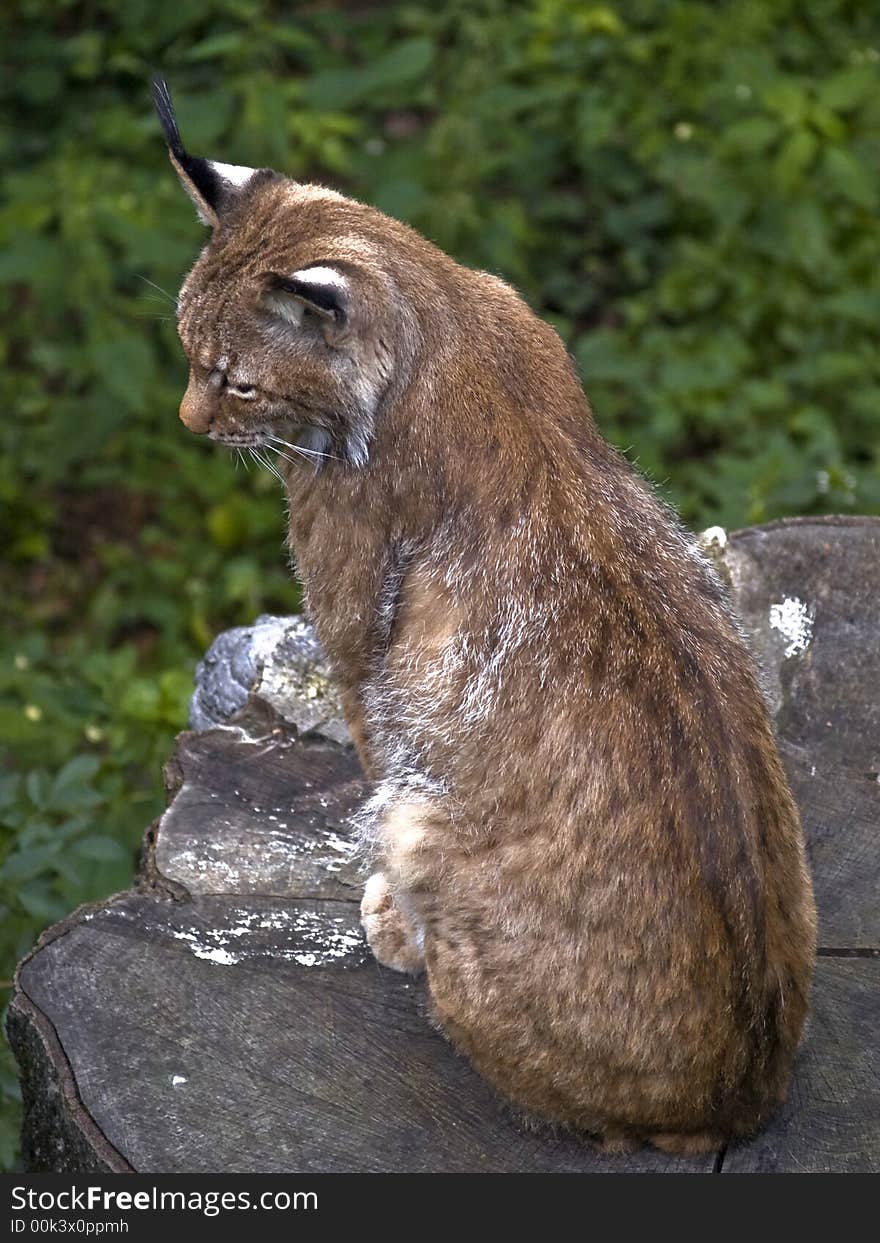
[[580, 829]]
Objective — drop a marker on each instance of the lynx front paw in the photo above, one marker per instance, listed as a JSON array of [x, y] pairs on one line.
[[389, 935]]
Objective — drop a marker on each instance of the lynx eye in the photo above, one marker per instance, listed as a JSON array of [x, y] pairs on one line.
[[246, 391]]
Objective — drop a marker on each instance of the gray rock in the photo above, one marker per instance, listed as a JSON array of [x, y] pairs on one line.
[[277, 662]]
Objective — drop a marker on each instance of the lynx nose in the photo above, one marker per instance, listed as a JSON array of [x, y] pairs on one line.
[[198, 407]]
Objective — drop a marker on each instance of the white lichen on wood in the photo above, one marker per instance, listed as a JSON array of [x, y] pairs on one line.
[[309, 938], [793, 619]]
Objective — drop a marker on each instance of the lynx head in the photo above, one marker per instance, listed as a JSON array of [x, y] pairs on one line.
[[300, 318]]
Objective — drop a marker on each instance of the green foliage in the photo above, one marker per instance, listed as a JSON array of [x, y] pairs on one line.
[[688, 191]]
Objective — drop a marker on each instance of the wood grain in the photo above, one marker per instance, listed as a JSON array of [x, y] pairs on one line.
[[826, 698], [262, 815], [265, 1064]]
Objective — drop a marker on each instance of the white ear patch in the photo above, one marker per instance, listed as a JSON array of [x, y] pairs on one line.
[[329, 278], [235, 174], [316, 289]]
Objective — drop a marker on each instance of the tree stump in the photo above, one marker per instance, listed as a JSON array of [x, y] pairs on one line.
[[226, 1015]]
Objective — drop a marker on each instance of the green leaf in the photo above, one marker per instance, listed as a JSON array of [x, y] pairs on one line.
[[789, 99], [795, 158], [27, 864], [125, 365], [228, 523], [76, 772], [215, 47], [37, 786], [140, 700], [405, 63], [851, 178], [847, 89], [752, 136], [100, 848], [39, 903], [402, 66]]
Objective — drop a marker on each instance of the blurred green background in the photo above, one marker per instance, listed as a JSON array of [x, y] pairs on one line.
[[687, 190]]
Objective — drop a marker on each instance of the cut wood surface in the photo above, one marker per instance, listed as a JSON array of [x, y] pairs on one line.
[[226, 1014]]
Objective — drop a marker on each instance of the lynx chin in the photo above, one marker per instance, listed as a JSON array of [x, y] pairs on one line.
[[580, 829]]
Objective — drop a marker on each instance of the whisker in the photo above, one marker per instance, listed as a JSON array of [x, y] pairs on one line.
[[264, 462], [295, 448], [284, 456], [277, 474], [162, 291], [301, 449], [280, 454]]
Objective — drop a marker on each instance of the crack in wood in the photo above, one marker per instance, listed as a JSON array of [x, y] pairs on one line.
[[848, 951]]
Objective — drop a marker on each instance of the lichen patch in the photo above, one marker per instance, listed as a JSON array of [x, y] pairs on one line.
[[309, 938], [794, 620]]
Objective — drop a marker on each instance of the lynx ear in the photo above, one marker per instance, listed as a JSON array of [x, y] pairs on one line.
[[210, 185], [320, 289]]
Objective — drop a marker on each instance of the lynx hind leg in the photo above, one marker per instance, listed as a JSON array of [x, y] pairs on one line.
[[390, 936]]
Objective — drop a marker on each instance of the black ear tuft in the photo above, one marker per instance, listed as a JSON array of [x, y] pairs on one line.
[[165, 111], [204, 186]]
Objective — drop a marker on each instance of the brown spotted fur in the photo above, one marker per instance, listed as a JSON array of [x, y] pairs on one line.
[[580, 804]]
